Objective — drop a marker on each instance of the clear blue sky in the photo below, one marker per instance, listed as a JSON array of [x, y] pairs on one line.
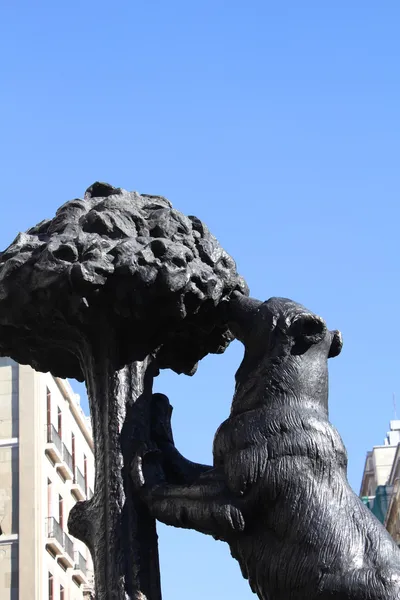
[[278, 124]]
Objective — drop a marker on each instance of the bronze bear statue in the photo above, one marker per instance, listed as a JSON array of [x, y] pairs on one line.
[[278, 492]]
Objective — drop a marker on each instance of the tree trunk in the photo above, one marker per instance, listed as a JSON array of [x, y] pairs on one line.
[[115, 525]]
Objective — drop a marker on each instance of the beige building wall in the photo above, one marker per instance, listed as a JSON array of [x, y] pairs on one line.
[[383, 457], [9, 485], [46, 465], [392, 520], [378, 465], [379, 462]]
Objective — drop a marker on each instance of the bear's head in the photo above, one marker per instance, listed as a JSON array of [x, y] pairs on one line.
[[286, 352], [280, 326]]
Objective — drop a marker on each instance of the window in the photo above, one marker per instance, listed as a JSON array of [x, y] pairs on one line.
[[59, 422], [51, 587], [85, 473], [49, 511], [73, 452], [48, 404], [61, 511], [48, 413], [62, 597]]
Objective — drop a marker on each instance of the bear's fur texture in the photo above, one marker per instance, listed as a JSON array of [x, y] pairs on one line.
[[278, 492]]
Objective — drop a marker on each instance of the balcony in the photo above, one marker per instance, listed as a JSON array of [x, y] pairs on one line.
[[67, 558], [80, 569], [54, 445], [54, 537], [78, 487], [88, 588], [59, 543], [65, 467]]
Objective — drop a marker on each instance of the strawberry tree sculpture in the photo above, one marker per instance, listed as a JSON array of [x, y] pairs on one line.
[[115, 287]]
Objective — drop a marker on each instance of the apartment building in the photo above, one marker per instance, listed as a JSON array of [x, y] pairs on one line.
[[46, 466], [381, 466], [392, 517]]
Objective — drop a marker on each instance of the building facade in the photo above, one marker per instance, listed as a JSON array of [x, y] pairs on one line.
[[46, 465], [392, 517], [379, 488]]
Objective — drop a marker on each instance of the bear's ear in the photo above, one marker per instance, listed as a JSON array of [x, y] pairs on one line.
[[307, 329], [307, 325], [336, 344]]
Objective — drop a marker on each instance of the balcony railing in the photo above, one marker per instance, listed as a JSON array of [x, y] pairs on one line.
[[54, 530], [67, 457], [80, 563], [80, 480], [68, 546], [54, 438], [59, 543]]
